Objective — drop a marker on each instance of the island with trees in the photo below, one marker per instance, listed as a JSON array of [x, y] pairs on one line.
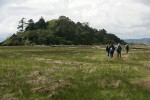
[[61, 31]]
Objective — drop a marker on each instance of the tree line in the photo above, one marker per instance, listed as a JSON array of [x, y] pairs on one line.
[[59, 31]]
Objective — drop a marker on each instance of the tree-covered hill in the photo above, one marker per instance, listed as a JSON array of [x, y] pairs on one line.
[[59, 31]]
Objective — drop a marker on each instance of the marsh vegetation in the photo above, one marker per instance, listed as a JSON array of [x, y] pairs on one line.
[[73, 73]]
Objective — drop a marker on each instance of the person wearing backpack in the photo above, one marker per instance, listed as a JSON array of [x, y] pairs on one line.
[[111, 51], [127, 48], [119, 49]]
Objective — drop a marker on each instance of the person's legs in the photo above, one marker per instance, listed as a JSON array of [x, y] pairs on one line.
[[120, 54], [108, 53], [127, 51], [112, 54], [117, 54]]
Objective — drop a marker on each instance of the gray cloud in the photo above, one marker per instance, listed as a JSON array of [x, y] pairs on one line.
[[7, 2], [146, 2], [125, 18]]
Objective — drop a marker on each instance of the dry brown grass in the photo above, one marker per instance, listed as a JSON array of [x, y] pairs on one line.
[[3, 85], [141, 47], [144, 83], [44, 84], [116, 84], [9, 97], [67, 62]]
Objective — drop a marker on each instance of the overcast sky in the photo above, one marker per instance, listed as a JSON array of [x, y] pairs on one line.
[[125, 18]]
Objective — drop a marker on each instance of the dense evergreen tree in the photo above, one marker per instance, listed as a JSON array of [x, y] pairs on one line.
[[30, 25], [41, 24]]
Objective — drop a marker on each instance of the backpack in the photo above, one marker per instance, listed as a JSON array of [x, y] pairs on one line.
[[127, 46], [119, 48], [111, 49]]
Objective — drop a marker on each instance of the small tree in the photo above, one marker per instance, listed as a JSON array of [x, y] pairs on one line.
[[22, 25]]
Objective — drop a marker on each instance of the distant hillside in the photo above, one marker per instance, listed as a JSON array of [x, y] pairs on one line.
[[143, 41], [59, 31]]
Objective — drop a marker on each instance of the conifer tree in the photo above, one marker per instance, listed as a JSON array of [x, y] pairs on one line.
[[22, 25]]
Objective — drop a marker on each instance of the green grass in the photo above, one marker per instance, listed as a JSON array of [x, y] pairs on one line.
[[73, 73]]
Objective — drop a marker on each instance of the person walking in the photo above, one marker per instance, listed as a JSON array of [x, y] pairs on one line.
[[127, 48], [111, 51], [119, 49], [108, 49]]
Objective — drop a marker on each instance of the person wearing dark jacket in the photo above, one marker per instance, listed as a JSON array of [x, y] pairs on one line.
[[119, 49], [111, 51], [127, 48], [108, 49]]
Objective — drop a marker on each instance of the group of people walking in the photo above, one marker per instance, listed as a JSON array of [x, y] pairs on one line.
[[110, 49]]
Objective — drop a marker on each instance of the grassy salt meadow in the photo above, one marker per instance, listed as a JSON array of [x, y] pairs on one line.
[[73, 73]]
